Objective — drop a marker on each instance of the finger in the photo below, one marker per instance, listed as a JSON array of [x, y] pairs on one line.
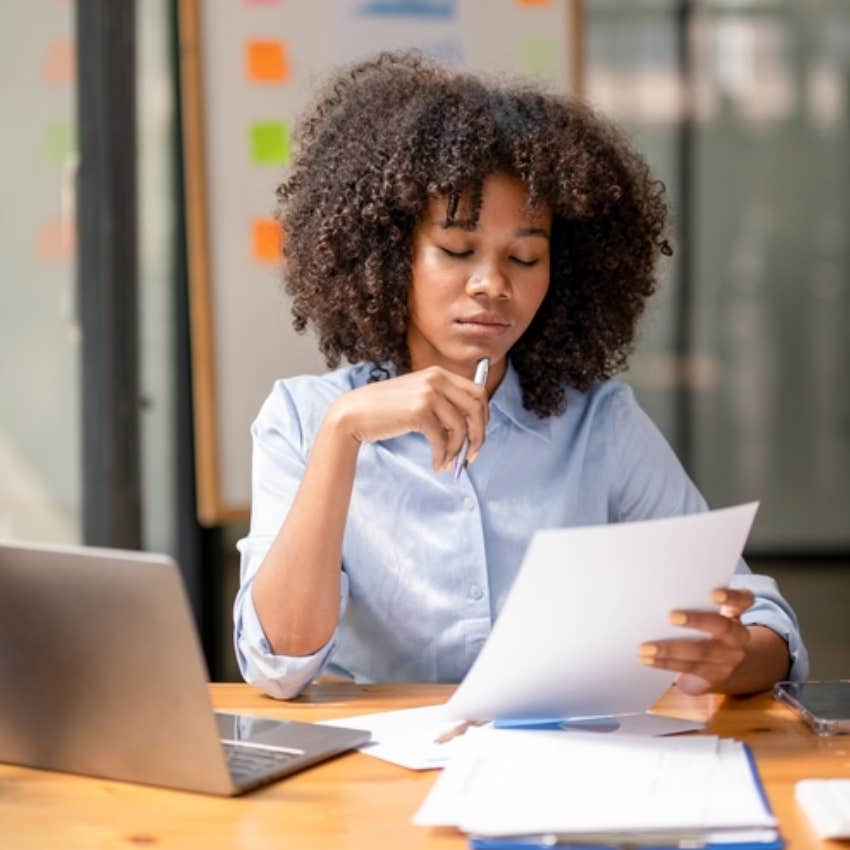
[[433, 430], [708, 651], [712, 673], [727, 629], [468, 397], [471, 400], [734, 600], [460, 391], [441, 422], [454, 425], [715, 663], [466, 393]]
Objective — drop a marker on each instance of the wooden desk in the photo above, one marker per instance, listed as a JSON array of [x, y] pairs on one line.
[[354, 801]]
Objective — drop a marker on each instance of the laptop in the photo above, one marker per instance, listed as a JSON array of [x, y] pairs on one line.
[[101, 673]]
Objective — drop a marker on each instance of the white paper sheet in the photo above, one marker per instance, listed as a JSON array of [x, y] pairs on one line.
[[487, 770], [578, 783], [407, 736], [566, 641]]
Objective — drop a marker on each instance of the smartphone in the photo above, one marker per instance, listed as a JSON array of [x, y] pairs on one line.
[[825, 706]]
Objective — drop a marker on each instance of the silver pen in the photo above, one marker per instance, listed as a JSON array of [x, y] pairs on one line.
[[481, 369]]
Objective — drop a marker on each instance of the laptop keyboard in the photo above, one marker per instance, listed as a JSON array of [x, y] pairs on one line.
[[249, 763]]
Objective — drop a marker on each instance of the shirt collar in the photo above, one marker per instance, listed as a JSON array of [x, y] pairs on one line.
[[507, 400]]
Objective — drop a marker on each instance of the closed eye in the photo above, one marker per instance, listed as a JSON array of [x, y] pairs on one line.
[[458, 255], [528, 263]]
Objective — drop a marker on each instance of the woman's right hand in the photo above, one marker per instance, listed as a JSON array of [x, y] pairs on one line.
[[445, 407]]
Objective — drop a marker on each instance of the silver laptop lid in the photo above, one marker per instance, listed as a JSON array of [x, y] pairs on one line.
[[101, 672]]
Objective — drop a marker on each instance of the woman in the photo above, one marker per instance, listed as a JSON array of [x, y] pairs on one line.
[[432, 220]]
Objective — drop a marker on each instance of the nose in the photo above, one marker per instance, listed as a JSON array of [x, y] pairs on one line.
[[489, 279]]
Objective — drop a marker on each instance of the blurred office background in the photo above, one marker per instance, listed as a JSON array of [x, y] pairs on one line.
[[742, 109]]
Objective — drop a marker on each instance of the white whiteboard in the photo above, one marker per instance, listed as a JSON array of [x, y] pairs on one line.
[[241, 97]]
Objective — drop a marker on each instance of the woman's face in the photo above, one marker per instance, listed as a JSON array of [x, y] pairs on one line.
[[476, 289]]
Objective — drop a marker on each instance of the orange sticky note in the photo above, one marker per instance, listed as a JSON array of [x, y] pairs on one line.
[[60, 62], [56, 241], [534, 2], [267, 240], [266, 61]]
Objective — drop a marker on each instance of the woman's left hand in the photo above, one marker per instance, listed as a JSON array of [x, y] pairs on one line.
[[705, 663]]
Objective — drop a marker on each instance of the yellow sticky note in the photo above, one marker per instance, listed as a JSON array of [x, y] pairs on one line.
[[267, 241], [58, 142], [538, 57], [266, 61]]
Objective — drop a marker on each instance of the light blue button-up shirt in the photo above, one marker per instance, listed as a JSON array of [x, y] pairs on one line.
[[426, 560]]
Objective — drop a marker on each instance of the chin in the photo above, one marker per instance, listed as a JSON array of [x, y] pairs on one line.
[[469, 355]]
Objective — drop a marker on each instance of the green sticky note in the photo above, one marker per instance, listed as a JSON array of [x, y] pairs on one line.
[[270, 143], [538, 57], [59, 142]]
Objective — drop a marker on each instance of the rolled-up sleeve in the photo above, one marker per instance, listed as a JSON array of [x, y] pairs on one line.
[[771, 610], [280, 676], [278, 461]]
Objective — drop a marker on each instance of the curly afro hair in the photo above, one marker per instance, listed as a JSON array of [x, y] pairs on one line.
[[387, 135]]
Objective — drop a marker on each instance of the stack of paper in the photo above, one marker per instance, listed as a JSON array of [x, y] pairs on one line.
[[581, 786]]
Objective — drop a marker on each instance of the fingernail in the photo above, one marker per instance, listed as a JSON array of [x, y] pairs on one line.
[[648, 649], [646, 659], [719, 596], [471, 458], [677, 618]]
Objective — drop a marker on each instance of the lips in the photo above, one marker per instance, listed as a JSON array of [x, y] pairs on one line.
[[487, 324], [485, 319]]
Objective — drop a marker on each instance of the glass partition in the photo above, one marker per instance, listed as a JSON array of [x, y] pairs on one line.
[[742, 109], [40, 448], [772, 266], [159, 221]]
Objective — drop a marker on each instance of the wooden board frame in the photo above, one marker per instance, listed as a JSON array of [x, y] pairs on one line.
[[210, 509]]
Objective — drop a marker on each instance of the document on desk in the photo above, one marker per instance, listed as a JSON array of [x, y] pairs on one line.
[[565, 644], [411, 737], [407, 737], [532, 783]]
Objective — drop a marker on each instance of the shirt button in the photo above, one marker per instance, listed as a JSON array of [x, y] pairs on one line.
[[475, 592], [469, 503]]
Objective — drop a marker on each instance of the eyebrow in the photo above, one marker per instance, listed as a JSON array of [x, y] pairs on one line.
[[532, 231], [468, 226]]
